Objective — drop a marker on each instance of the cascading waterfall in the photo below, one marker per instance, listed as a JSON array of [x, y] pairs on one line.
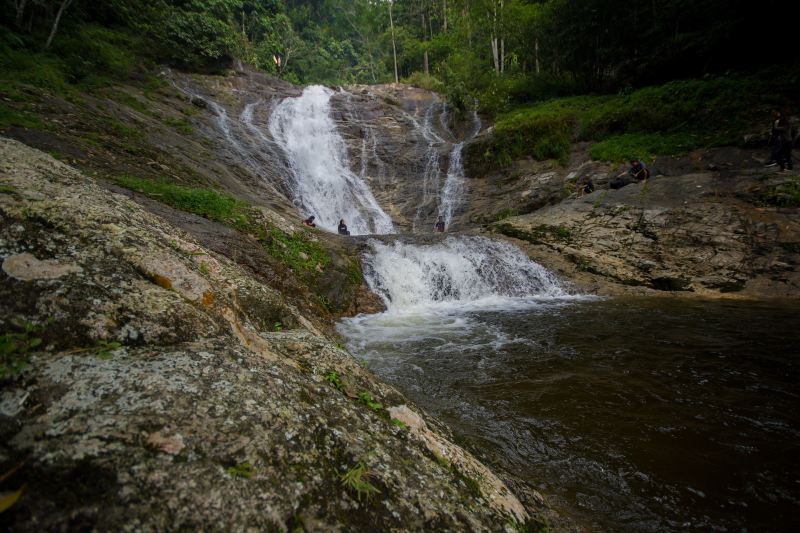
[[453, 190], [323, 184], [457, 270]]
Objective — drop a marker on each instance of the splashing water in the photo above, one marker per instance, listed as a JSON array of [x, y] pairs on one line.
[[323, 184], [474, 270]]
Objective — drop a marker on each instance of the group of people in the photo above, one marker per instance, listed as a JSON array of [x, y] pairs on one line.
[[637, 173], [342, 229], [342, 226]]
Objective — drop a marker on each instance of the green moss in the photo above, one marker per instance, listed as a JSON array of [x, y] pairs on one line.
[[11, 117], [130, 101], [241, 470], [180, 124]]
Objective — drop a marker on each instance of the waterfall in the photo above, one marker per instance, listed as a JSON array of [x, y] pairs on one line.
[[323, 184], [453, 190], [457, 270]]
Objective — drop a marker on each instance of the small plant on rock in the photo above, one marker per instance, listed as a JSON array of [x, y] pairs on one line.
[[334, 379], [243, 470], [103, 348], [367, 400], [355, 480], [15, 348]]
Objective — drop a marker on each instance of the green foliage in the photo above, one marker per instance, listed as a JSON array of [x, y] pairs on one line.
[[198, 38], [15, 347], [784, 195], [297, 251], [241, 470], [93, 56], [665, 120], [11, 117], [643, 146], [180, 124], [204, 202], [423, 81], [356, 481], [365, 398], [399, 423], [103, 348], [277, 326], [333, 378]]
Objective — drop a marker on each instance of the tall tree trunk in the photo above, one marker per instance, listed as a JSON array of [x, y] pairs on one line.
[[425, 52], [536, 53], [64, 5], [394, 48], [20, 7], [444, 13], [495, 57], [502, 55]]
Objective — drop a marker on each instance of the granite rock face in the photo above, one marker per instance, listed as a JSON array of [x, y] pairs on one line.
[[712, 232], [161, 399]]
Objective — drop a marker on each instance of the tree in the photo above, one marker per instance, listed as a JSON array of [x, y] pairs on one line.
[[63, 7]]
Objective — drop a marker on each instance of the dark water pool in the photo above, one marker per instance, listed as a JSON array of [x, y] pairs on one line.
[[629, 414]]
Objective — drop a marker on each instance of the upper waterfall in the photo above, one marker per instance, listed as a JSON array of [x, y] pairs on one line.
[[322, 183]]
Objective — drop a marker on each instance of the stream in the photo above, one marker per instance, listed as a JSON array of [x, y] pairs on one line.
[[629, 414]]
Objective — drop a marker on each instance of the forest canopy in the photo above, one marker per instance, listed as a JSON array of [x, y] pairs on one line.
[[502, 52]]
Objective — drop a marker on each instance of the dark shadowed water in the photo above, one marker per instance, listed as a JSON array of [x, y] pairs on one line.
[[629, 414]]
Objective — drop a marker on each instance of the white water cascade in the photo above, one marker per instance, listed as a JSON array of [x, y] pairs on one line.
[[459, 270], [323, 184], [453, 190]]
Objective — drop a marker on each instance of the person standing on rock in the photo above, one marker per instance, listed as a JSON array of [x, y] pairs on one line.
[[310, 222], [781, 141], [439, 226], [343, 228]]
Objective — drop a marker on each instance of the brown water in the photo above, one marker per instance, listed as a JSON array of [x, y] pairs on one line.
[[634, 414]]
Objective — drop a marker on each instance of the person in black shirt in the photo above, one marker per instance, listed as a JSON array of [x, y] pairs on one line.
[[439, 226], [343, 228], [637, 173]]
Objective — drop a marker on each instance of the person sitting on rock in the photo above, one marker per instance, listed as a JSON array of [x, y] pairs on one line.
[[585, 185], [637, 173], [310, 222], [439, 226], [343, 228]]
